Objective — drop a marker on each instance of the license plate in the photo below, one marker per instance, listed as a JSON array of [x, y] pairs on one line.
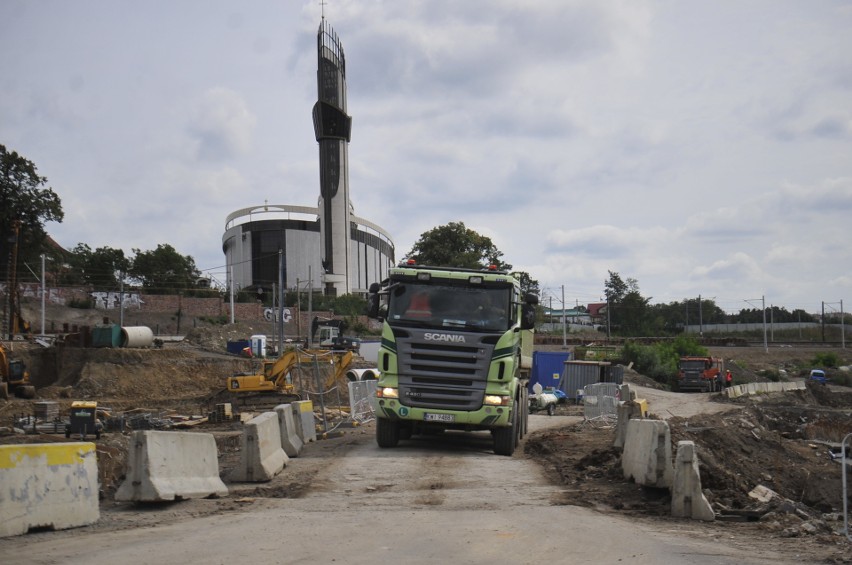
[[448, 418]]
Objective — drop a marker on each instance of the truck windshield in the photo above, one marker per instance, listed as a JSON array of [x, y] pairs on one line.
[[692, 365], [448, 306]]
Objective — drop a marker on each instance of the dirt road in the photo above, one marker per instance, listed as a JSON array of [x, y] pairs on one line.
[[447, 499]]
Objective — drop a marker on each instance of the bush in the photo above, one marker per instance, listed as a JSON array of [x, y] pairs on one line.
[[841, 378], [220, 320], [81, 303], [656, 361], [770, 374], [828, 360]]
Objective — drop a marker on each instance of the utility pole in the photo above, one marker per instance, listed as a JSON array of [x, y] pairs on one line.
[[121, 300], [231, 272], [822, 321], [44, 292], [772, 323], [700, 318], [564, 321], [765, 345], [280, 301], [310, 307], [299, 307]]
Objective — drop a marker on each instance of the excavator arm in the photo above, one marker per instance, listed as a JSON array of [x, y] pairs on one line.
[[276, 371]]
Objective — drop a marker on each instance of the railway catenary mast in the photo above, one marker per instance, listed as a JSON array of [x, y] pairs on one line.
[[332, 127]]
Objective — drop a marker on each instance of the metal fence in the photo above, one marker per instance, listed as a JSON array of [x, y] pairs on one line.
[[360, 392], [600, 403]]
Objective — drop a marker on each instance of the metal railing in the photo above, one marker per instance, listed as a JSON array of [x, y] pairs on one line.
[[600, 403]]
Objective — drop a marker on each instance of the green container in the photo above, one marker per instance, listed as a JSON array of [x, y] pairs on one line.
[[106, 336]]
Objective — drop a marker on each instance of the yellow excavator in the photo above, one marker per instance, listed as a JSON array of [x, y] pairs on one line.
[[14, 377], [274, 374]]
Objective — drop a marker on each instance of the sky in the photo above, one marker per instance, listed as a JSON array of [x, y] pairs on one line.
[[701, 148]]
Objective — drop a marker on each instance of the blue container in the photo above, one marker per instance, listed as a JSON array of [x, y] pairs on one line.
[[236, 347], [547, 368]]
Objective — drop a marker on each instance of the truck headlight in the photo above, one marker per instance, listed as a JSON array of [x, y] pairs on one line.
[[387, 392], [495, 400]]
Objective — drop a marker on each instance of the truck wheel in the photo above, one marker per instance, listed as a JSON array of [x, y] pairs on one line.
[[27, 391], [505, 439], [387, 432]]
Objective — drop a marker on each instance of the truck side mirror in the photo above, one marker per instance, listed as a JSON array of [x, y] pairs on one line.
[[527, 316], [373, 301]]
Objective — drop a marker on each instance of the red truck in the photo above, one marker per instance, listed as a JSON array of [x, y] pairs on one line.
[[703, 374]]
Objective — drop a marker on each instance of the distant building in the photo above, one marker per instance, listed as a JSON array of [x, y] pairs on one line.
[[597, 313], [326, 248]]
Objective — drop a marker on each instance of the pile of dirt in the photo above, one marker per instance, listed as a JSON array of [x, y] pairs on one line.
[[215, 338], [786, 443]]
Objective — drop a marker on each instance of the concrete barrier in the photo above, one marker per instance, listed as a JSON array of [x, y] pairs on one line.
[[261, 456], [163, 466], [763, 388], [305, 426], [291, 443], [688, 500], [625, 414], [48, 486], [647, 456]]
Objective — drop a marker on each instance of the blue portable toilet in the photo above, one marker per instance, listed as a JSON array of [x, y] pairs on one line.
[[547, 368]]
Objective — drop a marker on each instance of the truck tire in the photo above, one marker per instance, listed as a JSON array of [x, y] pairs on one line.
[[387, 432], [26, 391], [506, 438]]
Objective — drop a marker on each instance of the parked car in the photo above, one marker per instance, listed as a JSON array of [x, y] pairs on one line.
[[818, 375]]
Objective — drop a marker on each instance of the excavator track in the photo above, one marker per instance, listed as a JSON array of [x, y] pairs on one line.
[[251, 401]]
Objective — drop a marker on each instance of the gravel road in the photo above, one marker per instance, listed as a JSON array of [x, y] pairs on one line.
[[447, 499]]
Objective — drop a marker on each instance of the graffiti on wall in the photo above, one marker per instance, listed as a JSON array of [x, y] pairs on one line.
[[33, 291], [112, 300]]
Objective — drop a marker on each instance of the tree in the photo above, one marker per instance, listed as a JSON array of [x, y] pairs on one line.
[[100, 268], [23, 198], [528, 284], [164, 270], [627, 307], [454, 245]]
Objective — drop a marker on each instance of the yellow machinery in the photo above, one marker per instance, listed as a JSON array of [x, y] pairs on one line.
[[273, 377], [84, 419], [274, 374], [14, 377]]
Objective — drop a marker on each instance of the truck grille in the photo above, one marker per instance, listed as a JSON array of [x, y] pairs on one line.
[[442, 374]]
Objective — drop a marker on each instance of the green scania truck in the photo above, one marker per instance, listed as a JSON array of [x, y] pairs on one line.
[[456, 353]]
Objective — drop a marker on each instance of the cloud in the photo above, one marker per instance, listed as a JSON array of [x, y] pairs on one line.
[[221, 125]]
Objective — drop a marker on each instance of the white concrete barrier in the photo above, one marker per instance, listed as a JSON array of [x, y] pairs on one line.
[[647, 456], [164, 466], [48, 486], [625, 414], [688, 500], [291, 443], [261, 455], [305, 425], [763, 388]]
